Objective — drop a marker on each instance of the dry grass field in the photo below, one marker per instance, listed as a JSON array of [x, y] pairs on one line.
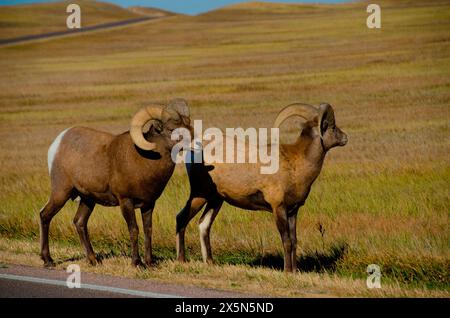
[[150, 12], [383, 199], [20, 20]]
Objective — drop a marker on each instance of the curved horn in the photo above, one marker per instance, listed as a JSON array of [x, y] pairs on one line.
[[137, 123], [307, 112], [179, 105]]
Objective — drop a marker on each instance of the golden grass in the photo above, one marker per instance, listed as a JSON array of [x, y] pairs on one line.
[[384, 197], [30, 19], [150, 12], [237, 278]]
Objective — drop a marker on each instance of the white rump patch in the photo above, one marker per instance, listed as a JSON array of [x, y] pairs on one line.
[[52, 151]]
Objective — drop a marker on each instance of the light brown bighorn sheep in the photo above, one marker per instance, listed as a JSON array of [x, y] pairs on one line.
[[282, 193], [130, 170]]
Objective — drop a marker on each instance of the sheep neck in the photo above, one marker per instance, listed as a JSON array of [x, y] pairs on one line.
[[308, 157], [310, 147]]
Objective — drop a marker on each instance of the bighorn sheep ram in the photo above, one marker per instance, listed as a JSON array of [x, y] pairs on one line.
[[130, 170], [281, 193]]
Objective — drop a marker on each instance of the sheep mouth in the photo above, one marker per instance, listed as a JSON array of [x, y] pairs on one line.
[[344, 141]]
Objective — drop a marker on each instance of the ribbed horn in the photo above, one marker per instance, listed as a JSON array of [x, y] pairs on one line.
[[142, 117], [305, 111], [179, 105]]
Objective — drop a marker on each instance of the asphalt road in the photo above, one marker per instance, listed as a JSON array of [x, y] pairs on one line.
[[34, 37], [20, 289], [26, 282]]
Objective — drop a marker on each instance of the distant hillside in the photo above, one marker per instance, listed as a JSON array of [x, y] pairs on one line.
[[151, 12], [245, 10], [40, 18]]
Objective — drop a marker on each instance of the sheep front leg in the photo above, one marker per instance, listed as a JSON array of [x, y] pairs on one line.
[[127, 209], [282, 222], [292, 219], [147, 213]]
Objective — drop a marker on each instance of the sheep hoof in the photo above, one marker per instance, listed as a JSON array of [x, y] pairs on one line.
[[137, 263], [93, 261], [148, 264], [49, 264]]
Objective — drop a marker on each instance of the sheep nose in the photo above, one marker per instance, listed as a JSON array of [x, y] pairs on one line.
[[344, 140]]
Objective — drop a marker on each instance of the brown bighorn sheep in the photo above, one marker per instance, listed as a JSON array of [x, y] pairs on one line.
[[130, 170], [281, 193]]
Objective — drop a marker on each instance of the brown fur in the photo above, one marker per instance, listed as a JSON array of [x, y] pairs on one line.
[[110, 170], [242, 185]]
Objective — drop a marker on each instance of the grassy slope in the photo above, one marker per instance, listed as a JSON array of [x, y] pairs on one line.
[[151, 12], [23, 20], [384, 197]]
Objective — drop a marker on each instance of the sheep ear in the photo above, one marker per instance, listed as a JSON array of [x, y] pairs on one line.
[[179, 105], [326, 118]]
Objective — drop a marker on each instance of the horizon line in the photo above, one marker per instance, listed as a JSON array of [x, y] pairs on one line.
[[139, 3]]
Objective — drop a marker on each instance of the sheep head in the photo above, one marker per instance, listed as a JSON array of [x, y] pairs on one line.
[[321, 117], [165, 119]]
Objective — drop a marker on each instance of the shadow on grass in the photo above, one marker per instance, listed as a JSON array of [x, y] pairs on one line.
[[313, 261], [161, 255], [310, 262]]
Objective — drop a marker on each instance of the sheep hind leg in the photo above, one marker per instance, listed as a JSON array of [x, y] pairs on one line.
[[205, 223], [81, 219], [192, 207], [51, 208]]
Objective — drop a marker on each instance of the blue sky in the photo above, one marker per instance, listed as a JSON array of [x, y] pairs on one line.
[[181, 6]]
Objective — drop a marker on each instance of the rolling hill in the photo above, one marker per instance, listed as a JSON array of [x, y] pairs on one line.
[[40, 18], [151, 12]]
